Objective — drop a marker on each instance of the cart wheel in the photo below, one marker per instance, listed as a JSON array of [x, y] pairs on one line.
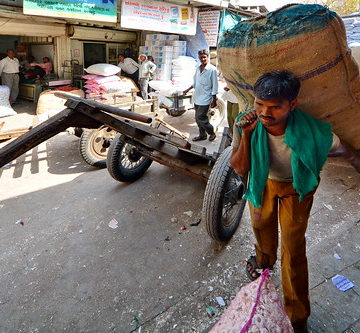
[[175, 113], [124, 162], [94, 144], [223, 205]]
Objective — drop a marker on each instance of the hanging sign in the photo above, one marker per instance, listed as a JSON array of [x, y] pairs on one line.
[[158, 16], [90, 10], [209, 22]]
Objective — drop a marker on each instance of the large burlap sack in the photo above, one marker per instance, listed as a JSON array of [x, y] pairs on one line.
[[256, 308], [308, 40], [49, 103]]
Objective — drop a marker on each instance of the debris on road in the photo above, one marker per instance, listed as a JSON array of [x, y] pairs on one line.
[[195, 224], [167, 239], [336, 256], [342, 283], [113, 224], [183, 227], [189, 213], [174, 220], [21, 222], [329, 207], [211, 311], [220, 301]]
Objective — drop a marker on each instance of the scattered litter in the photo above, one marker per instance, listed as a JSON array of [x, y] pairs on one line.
[[342, 283], [189, 213], [211, 288], [195, 224], [183, 227], [113, 224], [336, 256], [6, 166], [210, 311], [307, 236], [220, 301], [137, 322], [175, 326], [329, 207], [21, 222], [80, 231], [174, 219], [167, 239], [228, 248], [55, 208], [1, 206]]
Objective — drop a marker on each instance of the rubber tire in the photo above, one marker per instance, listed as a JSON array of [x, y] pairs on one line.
[[117, 171], [213, 200], [85, 151]]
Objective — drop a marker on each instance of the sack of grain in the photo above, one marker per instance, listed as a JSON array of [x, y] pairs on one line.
[[48, 102], [308, 40], [256, 308]]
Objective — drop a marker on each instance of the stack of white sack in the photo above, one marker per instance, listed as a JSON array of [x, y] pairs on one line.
[[165, 89], [183, 71], [5, 107]]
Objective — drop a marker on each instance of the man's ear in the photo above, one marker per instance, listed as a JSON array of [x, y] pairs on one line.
[[293, 104]]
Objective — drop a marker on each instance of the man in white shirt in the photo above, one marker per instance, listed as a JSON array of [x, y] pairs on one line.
[[9, 71], [129, 68], [206, 88]]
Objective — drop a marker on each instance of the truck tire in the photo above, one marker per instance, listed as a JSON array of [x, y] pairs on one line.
[[223, 205], [94, 144], [124, 162]]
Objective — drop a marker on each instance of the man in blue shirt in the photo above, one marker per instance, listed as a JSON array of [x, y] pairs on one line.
[[206, 88]]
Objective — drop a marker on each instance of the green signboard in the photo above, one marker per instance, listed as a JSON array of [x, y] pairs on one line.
[[90, 10]]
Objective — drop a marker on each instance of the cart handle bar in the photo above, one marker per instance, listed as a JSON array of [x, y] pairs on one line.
[[110, 109]]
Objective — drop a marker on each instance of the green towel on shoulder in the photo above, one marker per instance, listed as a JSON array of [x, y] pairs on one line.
[[309, 139]]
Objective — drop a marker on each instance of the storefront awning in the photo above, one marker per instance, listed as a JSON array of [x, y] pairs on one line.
[[17, 27], [103, 35]]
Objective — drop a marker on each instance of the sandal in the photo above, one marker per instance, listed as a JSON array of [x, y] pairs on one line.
[[251, 267]]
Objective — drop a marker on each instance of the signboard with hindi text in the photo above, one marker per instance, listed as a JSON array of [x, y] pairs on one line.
[[158, 16], [209, 22], [90, 10]]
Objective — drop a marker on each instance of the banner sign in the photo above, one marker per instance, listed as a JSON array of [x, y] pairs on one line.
[[209, 22], [158, 16], [90, 10]]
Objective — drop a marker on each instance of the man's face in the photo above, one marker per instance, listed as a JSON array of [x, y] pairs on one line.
[[10, 54], [273, 112], [121, 58], [203, 59], [142, 58]]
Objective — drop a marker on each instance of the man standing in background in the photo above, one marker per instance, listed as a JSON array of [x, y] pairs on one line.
[[9, 71], [129, 68], [147, 68], [206, 88]]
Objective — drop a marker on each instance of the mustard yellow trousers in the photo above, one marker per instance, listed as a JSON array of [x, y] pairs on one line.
[[281, 206]]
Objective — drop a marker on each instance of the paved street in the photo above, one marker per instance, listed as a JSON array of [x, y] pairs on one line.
[[64, 269]]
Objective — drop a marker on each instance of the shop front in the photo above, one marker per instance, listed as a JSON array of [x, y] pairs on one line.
[[32, 42]]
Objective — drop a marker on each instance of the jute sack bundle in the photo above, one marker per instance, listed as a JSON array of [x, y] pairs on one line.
[[48, 102], [308, 40]]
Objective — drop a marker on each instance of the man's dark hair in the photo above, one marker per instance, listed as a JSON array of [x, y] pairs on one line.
[[204, 51], [278, 85], [121, 55]]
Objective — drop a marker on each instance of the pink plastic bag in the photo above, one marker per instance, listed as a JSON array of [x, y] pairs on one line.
[[256, 308]]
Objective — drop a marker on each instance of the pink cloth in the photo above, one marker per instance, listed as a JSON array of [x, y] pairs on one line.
[[256, 308], [46, 66]]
